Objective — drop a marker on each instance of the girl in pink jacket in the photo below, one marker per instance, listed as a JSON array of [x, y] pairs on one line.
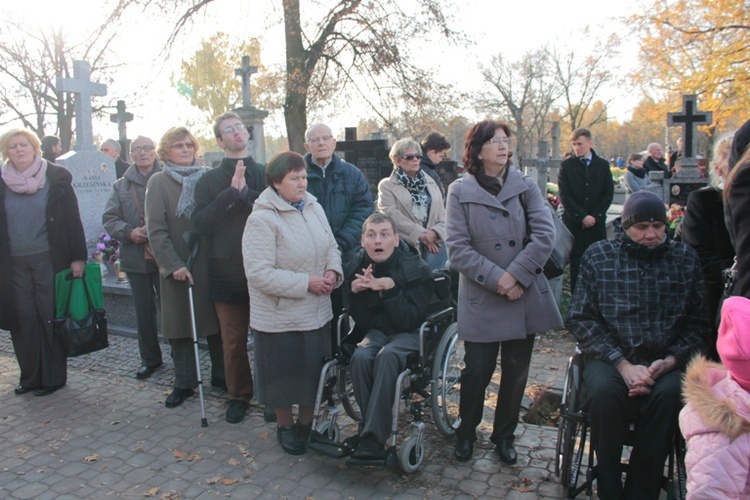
[[716, 418]]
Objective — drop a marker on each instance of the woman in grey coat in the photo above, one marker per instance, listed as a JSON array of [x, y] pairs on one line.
[[169, 204], [124, 220], [500, 233]]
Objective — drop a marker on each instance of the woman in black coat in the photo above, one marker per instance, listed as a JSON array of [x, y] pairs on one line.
[[41, 234], [737, 196], [703, 229]]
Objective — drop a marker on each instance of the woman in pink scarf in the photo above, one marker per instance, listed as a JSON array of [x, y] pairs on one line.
[[40, 235]]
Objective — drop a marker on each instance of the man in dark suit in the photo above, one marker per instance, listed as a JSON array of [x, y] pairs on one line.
[[586, 190]]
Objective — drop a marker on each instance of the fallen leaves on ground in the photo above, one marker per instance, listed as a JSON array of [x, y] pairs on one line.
[[91, 458], [152, 492], [184, 456]]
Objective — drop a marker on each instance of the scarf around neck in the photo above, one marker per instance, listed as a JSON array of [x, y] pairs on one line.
[[30, 180], [187, 177], [420, 198], [638, 172]]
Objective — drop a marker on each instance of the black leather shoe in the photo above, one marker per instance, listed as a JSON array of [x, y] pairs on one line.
[[369, 449], [43, 391], [464, 449], [146, 371], [350, 444], [219, 383], [289, 441], [507, 452], [22, 390], [269, 414], [178, 397], [236, 411]]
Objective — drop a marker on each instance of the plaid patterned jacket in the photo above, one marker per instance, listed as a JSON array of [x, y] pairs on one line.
[[639, 303]]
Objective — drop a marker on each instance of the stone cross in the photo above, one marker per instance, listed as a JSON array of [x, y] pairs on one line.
[[245, 71], [689, 120], [83, 88], [121, 118]]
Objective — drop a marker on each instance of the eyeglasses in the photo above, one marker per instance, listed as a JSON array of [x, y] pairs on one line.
[[142, 149], [233, 128], [499, 140], [324, 138], [182, 145], [411, 157]]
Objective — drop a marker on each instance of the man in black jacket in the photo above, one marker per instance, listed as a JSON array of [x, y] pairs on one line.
[[655, 160], [224, 198], [586, 190], [390, 289], [434, 147]]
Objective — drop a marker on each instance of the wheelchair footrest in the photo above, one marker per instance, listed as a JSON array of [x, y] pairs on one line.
[[367, 462], [324, 446]]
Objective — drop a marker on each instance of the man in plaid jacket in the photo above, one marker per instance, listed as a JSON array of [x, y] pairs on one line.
[[638, 314]]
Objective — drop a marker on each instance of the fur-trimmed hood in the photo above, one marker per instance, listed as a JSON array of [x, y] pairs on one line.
[[720, 404]]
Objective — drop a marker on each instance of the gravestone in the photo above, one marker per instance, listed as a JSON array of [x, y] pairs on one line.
[[93, 171], [251, 116], [371, 157], [121, 118], [676, 189], [212, 159]]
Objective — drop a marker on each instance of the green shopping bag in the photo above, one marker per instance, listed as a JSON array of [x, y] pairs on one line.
[[65, 285]]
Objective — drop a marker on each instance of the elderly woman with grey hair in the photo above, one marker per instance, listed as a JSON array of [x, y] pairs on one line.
[[415, 203]]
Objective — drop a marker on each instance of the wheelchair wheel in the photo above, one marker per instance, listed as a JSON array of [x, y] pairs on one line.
[[446, 382], [346, 394], [571, 426], [411, 454], [332, 432]]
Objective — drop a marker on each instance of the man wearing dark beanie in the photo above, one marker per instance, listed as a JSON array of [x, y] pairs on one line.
[[639, 314]]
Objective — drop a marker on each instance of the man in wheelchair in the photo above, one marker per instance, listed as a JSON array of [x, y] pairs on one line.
[[390, 296], [638, 314]]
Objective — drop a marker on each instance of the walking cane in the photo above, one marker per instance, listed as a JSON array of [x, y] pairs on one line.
[[193, 239]]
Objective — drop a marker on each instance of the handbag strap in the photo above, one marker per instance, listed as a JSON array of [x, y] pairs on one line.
[[86, 289], [137, 202]]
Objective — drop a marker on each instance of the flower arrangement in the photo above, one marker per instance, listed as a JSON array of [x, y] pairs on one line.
[[675, 214], [553, 195], [106, 247]]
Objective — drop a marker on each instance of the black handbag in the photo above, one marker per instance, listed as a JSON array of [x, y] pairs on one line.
[[83, 336]]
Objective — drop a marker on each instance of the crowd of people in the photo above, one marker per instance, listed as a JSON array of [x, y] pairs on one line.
[[281, 249]]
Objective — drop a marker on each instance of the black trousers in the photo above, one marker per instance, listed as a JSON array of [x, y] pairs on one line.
[[41, 355], [610, 410], [481, 361], [145, 288], [183, 355]]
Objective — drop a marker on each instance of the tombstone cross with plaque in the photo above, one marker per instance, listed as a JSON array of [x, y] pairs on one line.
[[93, 171]]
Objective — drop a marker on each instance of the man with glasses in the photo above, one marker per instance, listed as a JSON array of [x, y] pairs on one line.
[[124, 221], [586, 191], [224, 198], [343, 192]]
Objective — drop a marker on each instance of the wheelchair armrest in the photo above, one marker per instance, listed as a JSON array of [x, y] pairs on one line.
[[439, 316]]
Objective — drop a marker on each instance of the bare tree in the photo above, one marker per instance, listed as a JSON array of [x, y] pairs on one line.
[[581, 73], [354, 48], [523, 92], [29, 68]]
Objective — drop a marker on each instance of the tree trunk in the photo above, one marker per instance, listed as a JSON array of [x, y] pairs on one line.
[[297, 78]]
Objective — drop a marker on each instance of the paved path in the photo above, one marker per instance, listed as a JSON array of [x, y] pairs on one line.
[[108, 435]]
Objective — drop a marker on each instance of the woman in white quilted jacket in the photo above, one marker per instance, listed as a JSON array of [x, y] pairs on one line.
[[292, 264]]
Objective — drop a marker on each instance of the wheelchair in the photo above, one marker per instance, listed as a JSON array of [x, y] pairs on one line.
[[430, 382], [573, 443]]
